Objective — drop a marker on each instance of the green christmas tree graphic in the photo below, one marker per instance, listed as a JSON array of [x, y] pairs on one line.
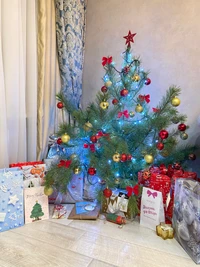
[[36, 212]]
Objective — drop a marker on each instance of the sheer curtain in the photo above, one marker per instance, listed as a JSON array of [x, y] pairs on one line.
[[18, 82]]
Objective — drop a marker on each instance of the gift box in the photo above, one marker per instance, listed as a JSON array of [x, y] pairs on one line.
[[186, 216], [11, 199]]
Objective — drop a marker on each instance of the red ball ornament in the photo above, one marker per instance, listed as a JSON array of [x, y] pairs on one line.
[[93, 139], [123, 157], [115, 101], [104, 89], [59, 141], [107, 192], [182, 127], [147, 81], [129, 157], [163, 134], [160, 146], [91, 171], [124, 92], [60, 105]]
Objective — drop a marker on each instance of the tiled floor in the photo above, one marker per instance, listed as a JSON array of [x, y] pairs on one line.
[[88, 243]]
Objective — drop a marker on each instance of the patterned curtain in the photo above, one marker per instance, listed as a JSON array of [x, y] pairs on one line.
[[70, 37]]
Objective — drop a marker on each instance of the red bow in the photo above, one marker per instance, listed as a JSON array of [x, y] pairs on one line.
[[106, 60], [156, 109], [144, 98], [133, 190], [64, 163], [101, 134], [90, 146], [125, 113]]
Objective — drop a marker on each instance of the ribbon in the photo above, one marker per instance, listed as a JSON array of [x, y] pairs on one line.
[[64, 163], [144, 98], [155, 110], [125, 113], [101, 134], [133, 190], [90, 146], [106, 60], [153, 194]]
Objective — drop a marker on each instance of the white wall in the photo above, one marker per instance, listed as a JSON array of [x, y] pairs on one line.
[[168, 41]]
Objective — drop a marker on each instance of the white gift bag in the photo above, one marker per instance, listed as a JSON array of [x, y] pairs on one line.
[[152, 210]]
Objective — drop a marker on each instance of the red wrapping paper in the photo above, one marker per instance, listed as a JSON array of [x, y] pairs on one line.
[[29, 163]]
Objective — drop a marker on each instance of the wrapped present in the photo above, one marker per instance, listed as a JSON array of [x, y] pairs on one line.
[[11, 199], [59, 212], [186, 216], [20, 164], [165, 231]]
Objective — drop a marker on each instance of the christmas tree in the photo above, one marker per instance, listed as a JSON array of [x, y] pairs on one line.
[[36, 212], [119, 131]]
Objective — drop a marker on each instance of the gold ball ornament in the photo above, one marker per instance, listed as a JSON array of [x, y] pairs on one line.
[[117, 180], [139, 108], [77, 170], [65, 138], [148, 158], [116, 157], [108, 83], [104, 105], [184, 136], [87, 126], [73, 156], [136, 78], [131, 114], [175, 101], [48, 191]]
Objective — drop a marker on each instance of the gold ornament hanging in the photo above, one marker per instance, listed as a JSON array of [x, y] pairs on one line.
[[77, 170], [139, 108], [131, 114], [48, 191], [73, 156], [87, 126], [148, 158], [104, 105], [116, 157], [184, 136], [108, 83], [136, 78], [117, 180], [65, 138], [175, 101]]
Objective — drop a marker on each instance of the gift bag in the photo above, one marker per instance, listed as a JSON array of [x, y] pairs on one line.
[[152, 210], [186, 216]]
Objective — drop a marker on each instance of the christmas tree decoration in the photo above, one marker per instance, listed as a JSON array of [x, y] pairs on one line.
[[108, 83], [184, 136], [91, 171], [182, 127], [87, 126], [117, 181], [116, 157], [139, 108], [129, 38], [59, 141], [93, 139], [160, 146], [104, 105], [136, 78], [175, 101], [129, 157], [163, 134], [107, 192], [65, 138], [77, 170], [147, 81], [124, 92], [131, 114], [175, 120], [126, 70], [106, 60], [104, 89], [48, 191], [60, 105], [144, 98], [192, 156], [123, 157], [73, 156], [148, 158], [115, 101]]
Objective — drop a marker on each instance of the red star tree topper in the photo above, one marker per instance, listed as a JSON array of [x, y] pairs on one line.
[[129, 38]]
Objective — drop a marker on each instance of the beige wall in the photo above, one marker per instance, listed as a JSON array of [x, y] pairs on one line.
[[167, 40]]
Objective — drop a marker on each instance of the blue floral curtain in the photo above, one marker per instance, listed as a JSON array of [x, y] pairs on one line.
[[70, 35]]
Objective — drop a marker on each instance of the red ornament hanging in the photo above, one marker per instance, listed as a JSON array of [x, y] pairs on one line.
[[163, 134], [93, 139], [59, 141], [129, 157], [160, 146], [123, 157], [182, 127], [115, 101], [126, 70], [91, 171], [147, 81], [124, 92], [104, 89], [107, 192], [60, 105]]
